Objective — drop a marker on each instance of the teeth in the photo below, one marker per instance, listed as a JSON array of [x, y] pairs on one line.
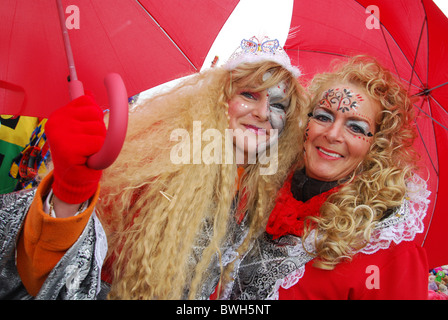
[[335, 155], [256, 130]]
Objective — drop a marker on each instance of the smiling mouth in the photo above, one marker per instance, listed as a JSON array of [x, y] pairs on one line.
[[330, 154], [256, 130]]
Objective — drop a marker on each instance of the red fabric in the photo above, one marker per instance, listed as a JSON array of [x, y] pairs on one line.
[[399, 272], [193, 25], [145, 48], [288, 215], [74, 133]]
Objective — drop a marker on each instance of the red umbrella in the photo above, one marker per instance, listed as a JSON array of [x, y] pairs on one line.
[[146, 42], [410, 38]]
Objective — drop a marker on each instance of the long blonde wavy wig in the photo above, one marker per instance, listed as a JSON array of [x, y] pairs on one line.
[[153, 209], [378, 184]]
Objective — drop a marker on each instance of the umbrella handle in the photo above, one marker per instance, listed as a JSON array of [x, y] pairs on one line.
[[118, 101], [118, 122], [75, 89]]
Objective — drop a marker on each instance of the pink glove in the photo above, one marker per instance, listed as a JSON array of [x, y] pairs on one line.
[[75, 132]]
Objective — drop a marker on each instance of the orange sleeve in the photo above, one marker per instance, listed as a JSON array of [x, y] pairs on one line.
[[44, 239]]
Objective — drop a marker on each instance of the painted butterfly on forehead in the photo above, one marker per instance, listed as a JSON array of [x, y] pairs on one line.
[[268, 46]]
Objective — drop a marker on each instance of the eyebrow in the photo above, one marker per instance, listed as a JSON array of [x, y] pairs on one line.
[[247, 88]]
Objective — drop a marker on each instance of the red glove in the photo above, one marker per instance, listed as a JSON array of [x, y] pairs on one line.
[[75, 132]]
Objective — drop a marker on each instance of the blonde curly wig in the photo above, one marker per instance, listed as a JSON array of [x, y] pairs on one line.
[[153, 209], [378, 184]]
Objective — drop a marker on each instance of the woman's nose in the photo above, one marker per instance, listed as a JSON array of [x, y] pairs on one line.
[[261, 109], [334, 133]]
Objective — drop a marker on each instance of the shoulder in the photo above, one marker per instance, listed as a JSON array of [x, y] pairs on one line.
[[401, 254]]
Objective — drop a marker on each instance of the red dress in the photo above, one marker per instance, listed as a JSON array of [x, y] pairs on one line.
[[390, 267], [399, 272]]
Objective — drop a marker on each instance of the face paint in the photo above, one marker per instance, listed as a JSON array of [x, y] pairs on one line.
[[258, 117], [278, 104], [339, 132], [341, 99]]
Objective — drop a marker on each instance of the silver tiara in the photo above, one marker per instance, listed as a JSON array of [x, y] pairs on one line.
[[254, 50]]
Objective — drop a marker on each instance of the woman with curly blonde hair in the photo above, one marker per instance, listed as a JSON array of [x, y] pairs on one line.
[[198, 172], [343, 224]]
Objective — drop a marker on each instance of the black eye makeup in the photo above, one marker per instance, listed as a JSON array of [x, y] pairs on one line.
[[321, 115], [326, 117], [358, 127], [249, 95], [278, 106]]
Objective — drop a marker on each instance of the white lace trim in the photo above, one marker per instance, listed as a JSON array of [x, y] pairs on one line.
[[416, 205], [404, 226], [287, 282]]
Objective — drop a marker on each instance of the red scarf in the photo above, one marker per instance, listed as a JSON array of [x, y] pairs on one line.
[[289, 214]]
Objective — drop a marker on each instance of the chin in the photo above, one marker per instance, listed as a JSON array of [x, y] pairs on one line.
[[326, 177]]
